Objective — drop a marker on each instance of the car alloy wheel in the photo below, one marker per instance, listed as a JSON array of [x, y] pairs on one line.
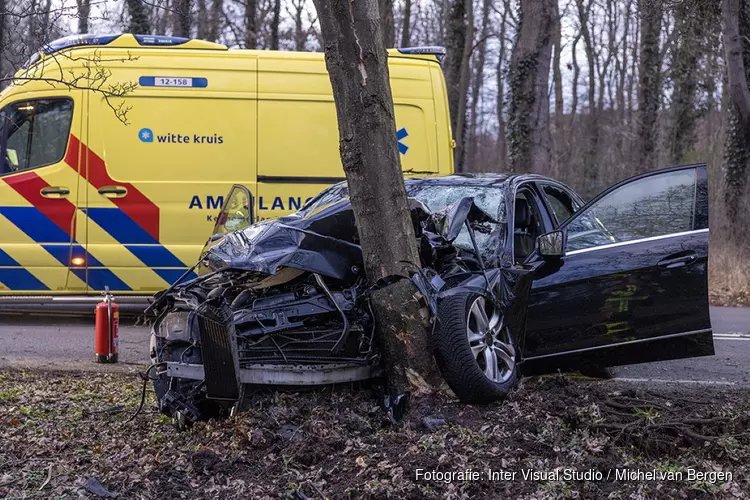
[[490, 341]]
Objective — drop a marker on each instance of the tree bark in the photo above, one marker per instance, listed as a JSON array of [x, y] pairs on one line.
[[590, 166], [477, 84], [300, 36], [84, 10], [386, 22], [502, 144], [139, 23], [458, 37], [557, 76], [217, 16], [203, 20], [684, 69], [357, 65], [183, 18], [2, 42], [528, 125], [406, 28], [275, 24], [736, 30], [251, 31], [649, 83]]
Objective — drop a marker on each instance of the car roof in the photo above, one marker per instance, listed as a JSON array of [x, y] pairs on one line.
[[475, 179]]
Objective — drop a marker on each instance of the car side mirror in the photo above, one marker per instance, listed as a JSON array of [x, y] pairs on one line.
[[552, 244]]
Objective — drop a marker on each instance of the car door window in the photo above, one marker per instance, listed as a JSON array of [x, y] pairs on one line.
[[36, 133], [561, 203], [652, 206]]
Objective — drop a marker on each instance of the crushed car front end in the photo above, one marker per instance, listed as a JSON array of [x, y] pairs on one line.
[[286, 302]]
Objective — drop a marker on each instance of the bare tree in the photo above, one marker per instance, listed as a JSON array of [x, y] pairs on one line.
[[357, 64], [275, 24], [502, 145], [299, 34], [406, 27], [456, 68], [736, 30], [215, 24], [649, 83], [84, 11], [590, 170], [528, 125], [387, 26], [183, 18], [481, 48], [203, 20], [251, 30], [139, 22]]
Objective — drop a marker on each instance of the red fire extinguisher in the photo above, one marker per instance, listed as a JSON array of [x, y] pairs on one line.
[[107, 314]]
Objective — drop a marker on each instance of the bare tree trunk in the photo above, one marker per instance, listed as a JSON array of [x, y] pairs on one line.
[[183, 18], [736, 30], [300, 36], [217, 16], [529, 98], [502, 144], [684, 69], [622, 67], [576, 76], [590, 166], [464, 89], [2, 40], [557, 76], [457, 38], [357, 64], [251, 33], [84, 10], [406, 28], [275, 24], [387, 26], [649, 83], [203, 20], [477, 84]]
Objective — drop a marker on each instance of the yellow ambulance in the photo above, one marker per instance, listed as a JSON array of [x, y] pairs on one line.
[[117, 151]]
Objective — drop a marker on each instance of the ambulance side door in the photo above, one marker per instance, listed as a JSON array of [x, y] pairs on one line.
[[40, 194]]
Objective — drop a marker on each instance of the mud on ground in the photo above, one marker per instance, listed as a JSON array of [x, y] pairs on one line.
[[67, 435]]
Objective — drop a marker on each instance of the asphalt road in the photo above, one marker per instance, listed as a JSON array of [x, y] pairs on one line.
[[67, 344]]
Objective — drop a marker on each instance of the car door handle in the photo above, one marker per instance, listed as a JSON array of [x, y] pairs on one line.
[[678, 260], [113, 191], [55, 192]]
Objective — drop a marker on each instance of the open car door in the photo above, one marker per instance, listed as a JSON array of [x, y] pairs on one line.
[[632, 284]]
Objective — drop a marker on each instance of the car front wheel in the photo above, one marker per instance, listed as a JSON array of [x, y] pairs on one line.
[[475, 349]]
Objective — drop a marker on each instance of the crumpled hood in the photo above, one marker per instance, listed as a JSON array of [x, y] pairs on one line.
[[325, 241]]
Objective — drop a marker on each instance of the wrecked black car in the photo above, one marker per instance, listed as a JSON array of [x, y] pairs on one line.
[[518, 276]]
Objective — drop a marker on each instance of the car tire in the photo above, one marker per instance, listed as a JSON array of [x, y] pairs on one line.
[[460, 340]]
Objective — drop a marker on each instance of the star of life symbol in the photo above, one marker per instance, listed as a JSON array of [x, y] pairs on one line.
[[146, 135]]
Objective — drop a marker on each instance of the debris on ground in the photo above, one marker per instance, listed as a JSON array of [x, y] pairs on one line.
[[60, 440]]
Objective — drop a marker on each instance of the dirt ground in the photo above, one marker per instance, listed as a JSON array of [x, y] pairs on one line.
[[68, 435]]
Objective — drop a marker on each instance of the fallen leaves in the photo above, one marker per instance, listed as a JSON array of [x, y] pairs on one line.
[[70, 437]]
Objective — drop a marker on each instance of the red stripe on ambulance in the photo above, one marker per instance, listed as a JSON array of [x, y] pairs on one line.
[[136, 205], [59, 210]]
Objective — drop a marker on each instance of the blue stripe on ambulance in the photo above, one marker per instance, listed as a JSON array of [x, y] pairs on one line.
[[141, 244], [35, 224], [64, 254], [98, 278], [15, 277]]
